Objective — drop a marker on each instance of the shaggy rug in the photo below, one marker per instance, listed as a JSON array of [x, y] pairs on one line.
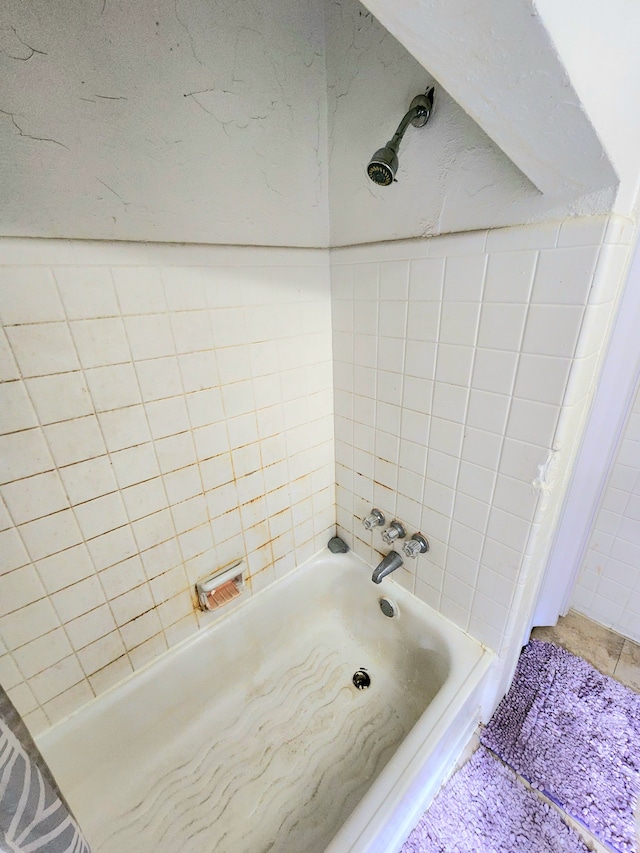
[[574, 734], [484, 808]]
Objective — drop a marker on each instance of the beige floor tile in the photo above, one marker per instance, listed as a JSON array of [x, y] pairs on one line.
[[583, 637], [628, 667]]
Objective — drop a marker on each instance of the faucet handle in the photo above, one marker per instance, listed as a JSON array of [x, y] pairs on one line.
[[376, 519], [394, 531], [418, 544]]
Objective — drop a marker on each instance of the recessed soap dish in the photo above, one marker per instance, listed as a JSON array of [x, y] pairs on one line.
[[221, 587]]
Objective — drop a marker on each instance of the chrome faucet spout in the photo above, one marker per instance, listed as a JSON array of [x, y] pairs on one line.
[[389, 564]]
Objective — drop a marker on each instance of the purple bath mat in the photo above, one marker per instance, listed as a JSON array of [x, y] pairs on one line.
[[484, 808], [574, 734]]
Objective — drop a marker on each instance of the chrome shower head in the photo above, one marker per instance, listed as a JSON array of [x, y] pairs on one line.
[[383, 165]]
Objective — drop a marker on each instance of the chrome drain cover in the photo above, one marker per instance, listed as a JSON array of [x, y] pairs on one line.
[[361, 679], [388, 607]]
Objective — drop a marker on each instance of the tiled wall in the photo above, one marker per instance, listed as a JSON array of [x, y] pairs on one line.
[[463, 367], [164, 410], [608, 587]]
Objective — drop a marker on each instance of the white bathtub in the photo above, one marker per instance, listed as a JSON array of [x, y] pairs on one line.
[[251, 736]]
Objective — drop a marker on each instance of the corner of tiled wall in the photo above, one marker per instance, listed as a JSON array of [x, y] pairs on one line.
[[455, 358], [164, 410]]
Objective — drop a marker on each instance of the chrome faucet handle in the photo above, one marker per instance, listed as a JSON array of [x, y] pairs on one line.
[[376, 519], [418, 544], [393, 532]]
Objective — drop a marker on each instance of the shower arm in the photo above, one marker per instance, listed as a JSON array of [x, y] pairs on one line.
[[409, 117]]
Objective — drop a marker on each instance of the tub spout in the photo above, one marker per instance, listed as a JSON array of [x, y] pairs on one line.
[[389, 564]]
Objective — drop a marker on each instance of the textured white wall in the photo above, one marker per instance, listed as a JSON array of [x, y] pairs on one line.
[[452, 177], [598, 44], [608, 587], [176, 120]]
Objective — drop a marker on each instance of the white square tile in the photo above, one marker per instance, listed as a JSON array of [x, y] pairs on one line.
[[564, 276], [521, 460], [101, 653], [139, 290], [113, 387], [495, 370], [482, 448], [167, 417], [28, 295], [65, 568], [16, 411], [516, 497], [450, 402], [153, 529], [192, 331], [87, 292], [50, 534], [19, 588], [60, 397], [501, 326], [159, 378], [459, 323], [542, 378], [185, 287], [90, 626], [510, 276], [420, 358], [56, 679], [454, 364], [132, 604], [183, 484], [488, 411], [442, 468], [423, 321], [43, 349], [101, 515], [118, 579], [150, 336], [24, 625], [34, 497], [113, 547], [205, 407], [533, 422], [390, 354], [43, 652], [199, 370], [100, 342], [445, 436], [552, 329], [124, 428], [175, 451], [144, 498], [464, 278], [148, 651], [12, 551], [476, 481], [426, 278], [141, 629], [135, 464], [160, 558], [75, 440], [394, 280]]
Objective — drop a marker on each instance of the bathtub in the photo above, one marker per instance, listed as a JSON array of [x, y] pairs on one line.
[[251, 736]]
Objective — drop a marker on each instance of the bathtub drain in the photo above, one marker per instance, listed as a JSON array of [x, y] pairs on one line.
[[361, 679]]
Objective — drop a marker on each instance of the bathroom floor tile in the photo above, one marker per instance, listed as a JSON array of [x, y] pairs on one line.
[[628, 667], [598, 645]]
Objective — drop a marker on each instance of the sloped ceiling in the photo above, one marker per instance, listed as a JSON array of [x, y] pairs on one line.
[[211, 120]]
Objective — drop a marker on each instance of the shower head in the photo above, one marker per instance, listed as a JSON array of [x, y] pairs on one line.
[[383, 165]]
